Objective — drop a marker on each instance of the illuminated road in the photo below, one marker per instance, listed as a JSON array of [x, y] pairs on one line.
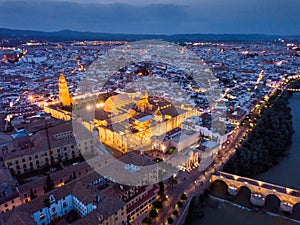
[[188, 182]]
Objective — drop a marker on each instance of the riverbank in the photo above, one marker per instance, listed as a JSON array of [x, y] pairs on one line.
[[267, 142], [234, 214], [285, 173]]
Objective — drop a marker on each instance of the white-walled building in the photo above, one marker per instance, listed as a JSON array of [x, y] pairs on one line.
[[94, 199]]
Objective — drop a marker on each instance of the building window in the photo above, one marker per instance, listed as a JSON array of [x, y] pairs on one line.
[[64, 204], [53, 209], [42, 216]]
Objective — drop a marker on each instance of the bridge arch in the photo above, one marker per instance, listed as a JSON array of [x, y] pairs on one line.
[[219, 187], [296, 211], [272, 202], [261, 193], [244, 189], [243, 195]]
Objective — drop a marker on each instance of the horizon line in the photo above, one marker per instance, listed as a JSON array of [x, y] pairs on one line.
[[159, 34]]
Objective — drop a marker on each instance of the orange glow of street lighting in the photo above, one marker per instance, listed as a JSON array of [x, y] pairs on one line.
[[100, 105], [89, 107]]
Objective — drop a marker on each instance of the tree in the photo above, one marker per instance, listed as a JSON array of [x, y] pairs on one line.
[[171, 150], [74, 175], [175, 212], [268, 140], [179, 204], [161, 188], [47, 205], [46, 202], [170, 220], [49, 184], [153, 213], [32, 195], [172, 180], [183, 197], [158, 205], [146, 221]]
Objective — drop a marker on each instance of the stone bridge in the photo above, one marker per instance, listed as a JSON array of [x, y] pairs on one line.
[[286, 80], [292, 89], [260, 190]]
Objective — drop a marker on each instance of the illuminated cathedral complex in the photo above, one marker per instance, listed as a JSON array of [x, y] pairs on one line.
[[128, 121]]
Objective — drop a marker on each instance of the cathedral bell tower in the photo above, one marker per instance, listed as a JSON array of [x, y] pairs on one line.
[[63, 91]]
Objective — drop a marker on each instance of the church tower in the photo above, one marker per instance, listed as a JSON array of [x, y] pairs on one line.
[[63, 91]]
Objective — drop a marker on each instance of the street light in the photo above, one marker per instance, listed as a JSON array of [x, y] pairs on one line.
[[100, 105], [30, 97], [89, 107], [163, 148]]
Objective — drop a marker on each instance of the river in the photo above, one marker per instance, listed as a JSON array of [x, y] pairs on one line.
[[286, 173]]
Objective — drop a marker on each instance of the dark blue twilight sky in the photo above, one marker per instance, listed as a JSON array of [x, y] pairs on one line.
[[153, 16]]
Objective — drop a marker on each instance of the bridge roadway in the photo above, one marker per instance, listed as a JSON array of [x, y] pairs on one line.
[[289, 79], [288, 197], [292, 89]]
